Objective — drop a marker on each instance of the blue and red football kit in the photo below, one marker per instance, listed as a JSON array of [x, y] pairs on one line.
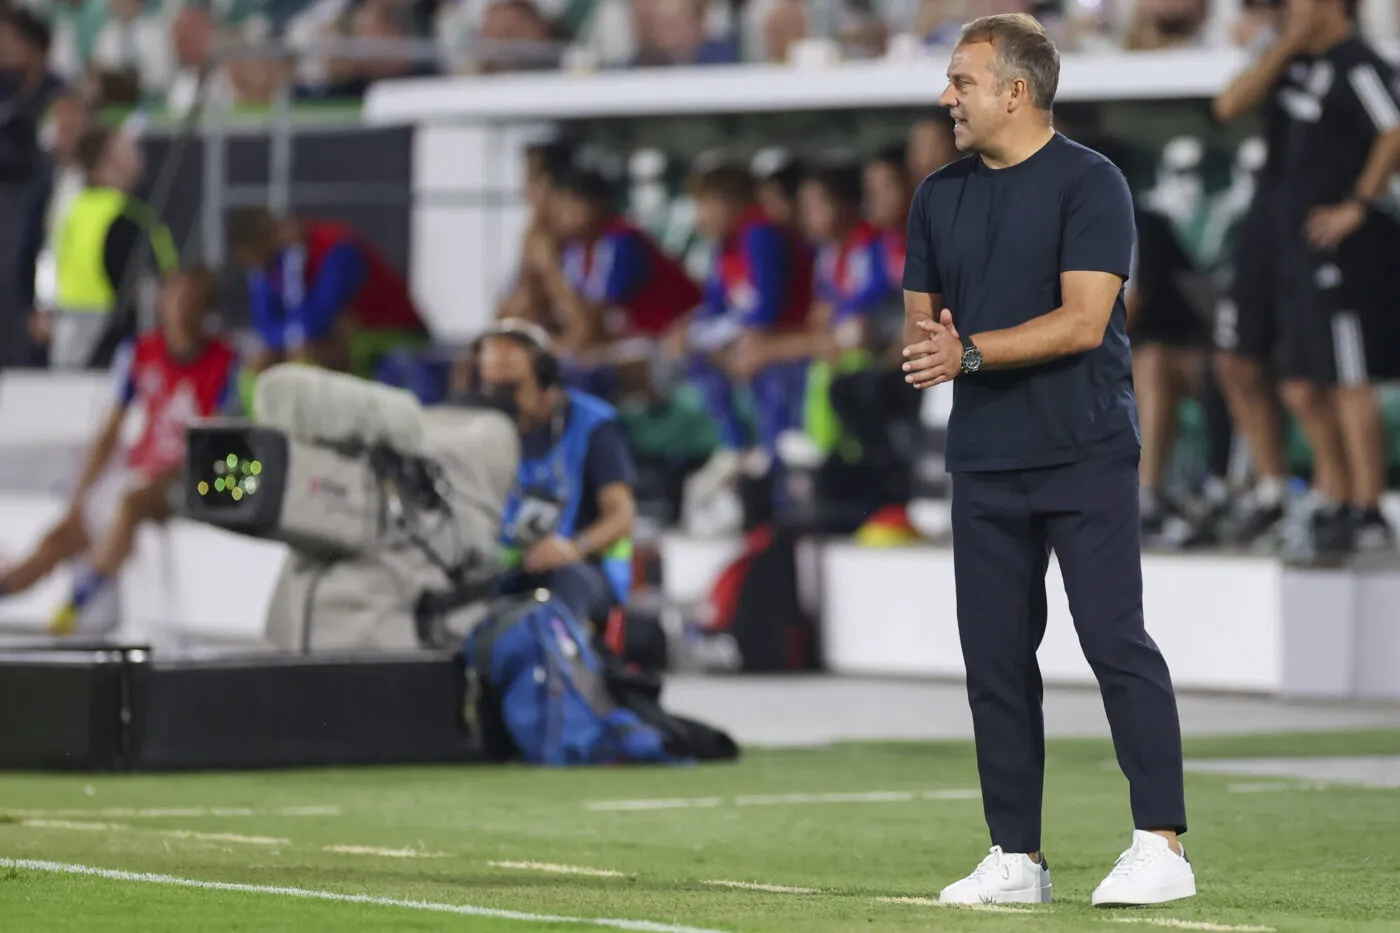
[[645, 290], [853, 276], [760, 280], [172, 393], [332, 272]]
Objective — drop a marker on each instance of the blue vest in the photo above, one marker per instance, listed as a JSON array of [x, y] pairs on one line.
[[548, 493]]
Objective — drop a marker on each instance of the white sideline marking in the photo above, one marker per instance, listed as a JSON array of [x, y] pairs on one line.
[[1272, 787], [641, 926], [1193, 925], [559, 869], [172, 833], [768, 800], [225, 837], [67, 824], [125, 813], [386, 853], [770, 888], [933, 902], [672, 804]]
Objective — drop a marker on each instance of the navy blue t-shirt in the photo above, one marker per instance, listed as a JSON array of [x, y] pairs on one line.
[[608, 461], [992, 243]]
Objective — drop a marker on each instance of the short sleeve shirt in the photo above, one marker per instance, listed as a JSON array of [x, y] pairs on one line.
[[991, 244]]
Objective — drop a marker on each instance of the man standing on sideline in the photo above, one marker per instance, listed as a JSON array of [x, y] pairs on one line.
[[1013, 286]]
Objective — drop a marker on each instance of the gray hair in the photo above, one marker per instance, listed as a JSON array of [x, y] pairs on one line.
[[1023, 50]]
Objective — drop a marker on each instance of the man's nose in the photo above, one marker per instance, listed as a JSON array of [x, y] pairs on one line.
[[948, 99]]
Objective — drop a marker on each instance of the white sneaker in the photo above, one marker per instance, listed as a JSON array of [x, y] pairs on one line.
[[1148, 873], [1002, 878]]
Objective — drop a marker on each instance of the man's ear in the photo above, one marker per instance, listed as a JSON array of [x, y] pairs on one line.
[[1018, 95]]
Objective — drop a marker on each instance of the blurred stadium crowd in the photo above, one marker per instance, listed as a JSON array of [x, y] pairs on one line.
[[150, 51], [760, 343]]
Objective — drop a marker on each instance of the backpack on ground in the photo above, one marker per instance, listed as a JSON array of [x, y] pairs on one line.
[[538, 691], [755, 606]]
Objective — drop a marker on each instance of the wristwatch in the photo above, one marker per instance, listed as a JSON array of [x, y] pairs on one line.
[[971, 357]]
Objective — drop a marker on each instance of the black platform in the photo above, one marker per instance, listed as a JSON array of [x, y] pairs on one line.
[[106, 708]]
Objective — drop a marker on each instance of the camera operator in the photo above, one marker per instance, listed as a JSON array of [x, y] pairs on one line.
[[567, 524]]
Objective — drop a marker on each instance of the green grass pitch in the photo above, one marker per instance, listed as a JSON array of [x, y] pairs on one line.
[[472, 849]]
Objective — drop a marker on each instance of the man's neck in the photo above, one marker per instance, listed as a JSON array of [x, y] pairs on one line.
[[1019, 146], [1331, 36]]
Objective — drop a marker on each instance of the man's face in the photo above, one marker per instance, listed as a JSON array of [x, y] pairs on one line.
[[773, 200], [123, 162], [569, 215], [715, 215], [14, 51], [1303, 15], [182, 313], [507, 369], [977, 100], [886, 195], [818, 212]]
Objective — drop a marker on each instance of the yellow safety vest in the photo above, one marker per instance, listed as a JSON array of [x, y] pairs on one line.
[[82, 282]]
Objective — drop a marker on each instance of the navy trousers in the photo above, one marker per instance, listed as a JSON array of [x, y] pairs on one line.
[[1005, 524]]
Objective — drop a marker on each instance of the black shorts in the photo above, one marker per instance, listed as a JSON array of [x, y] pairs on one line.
[[1165, 314], [1246, 321], [1337, 311]]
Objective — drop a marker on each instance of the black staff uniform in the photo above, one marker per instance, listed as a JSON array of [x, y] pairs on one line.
[[1336, 309], [1044, 458]]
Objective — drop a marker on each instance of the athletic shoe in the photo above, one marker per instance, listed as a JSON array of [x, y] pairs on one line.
[[1147, 873], [64, 620], [1334, 531], [1373, 532], [1171, 527], [1254, 521], [1002, 878]]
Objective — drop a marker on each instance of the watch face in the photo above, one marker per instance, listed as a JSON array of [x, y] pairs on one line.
[[972, 360]]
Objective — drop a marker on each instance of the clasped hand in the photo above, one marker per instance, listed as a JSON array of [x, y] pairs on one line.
[[936, 359]]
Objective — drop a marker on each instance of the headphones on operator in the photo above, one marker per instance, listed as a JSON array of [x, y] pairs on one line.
[[530, 336]]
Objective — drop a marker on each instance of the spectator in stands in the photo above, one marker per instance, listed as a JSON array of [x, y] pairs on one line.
[[321, 293], [173, 375], [76, 25], [615, 290], [567, 525], [930, 146], [27, 90], [381, 20], [675, 34], [516, 36], [940, 22], [1165, 24], [131, 59], [192, 34], [785, 25], [759, 290], [109, 246]]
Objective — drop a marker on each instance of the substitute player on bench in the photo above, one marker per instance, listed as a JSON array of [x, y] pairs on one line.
[[172, 376]]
